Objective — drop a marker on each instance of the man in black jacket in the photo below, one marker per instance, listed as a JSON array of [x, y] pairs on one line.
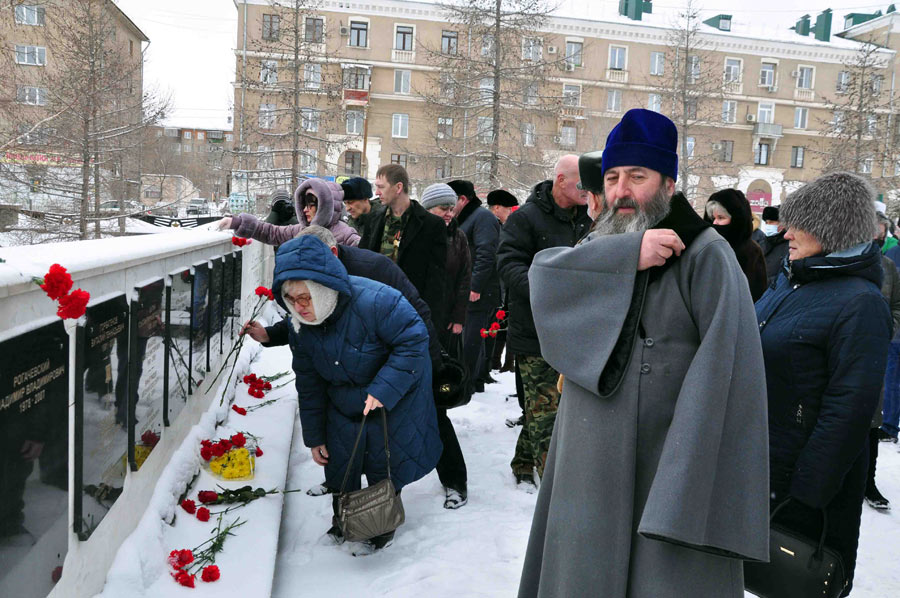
[[553, 216], [406, 233], [774, 248], [482, 230]]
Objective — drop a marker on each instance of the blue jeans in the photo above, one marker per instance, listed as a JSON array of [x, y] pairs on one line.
[[891, 408]]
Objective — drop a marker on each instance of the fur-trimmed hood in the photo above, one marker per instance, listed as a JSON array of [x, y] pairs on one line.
[[331, 203], [838, 209], [740, 228]]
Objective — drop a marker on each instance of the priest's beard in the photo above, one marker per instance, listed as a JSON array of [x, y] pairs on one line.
[[611, 222]]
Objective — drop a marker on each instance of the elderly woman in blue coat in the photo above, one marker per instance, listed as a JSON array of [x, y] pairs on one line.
[[825, 331], [358, 345]]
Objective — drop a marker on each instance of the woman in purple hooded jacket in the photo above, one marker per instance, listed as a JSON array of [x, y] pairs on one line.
[[326, 196]]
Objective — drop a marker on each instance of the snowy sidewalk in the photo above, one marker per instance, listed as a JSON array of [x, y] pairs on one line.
[[478, 550]]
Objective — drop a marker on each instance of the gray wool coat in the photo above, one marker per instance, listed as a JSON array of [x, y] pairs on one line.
[[657, 482]]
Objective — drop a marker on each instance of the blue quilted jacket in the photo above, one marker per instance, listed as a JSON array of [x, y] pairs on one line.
[[374, 343], [825, 331]]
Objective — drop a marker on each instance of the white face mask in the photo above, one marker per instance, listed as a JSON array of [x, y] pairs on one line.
[[768, 229]]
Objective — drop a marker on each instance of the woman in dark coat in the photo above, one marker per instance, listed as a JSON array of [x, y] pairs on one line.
[[729, 212], [358, 345], [439, 199], [825, 330]]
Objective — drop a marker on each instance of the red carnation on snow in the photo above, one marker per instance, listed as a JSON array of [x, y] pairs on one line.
[[259, 452], [238, 410], [181, 558], [184, 578], [150, 438], [189, 506], [238, 440], [249, 378], [210, 573], [57, 282], [206, 453], [73, 306], [207, 496], [203, 515]]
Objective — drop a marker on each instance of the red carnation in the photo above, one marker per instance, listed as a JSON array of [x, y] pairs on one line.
[[184, 578], [203, 514], [493, 333], [206, 452], [225, 444], [238, 440], [210, 573], [264, 292], [188, 505], [255, 392], [74, 305], [57, 282], [267, 386], [150, 438], [495, 326], [249, 378], [239, 410], [207, 496], [240, 241], [501, 315], [206, 442], [259, 452], [181, 558], [484, 333]]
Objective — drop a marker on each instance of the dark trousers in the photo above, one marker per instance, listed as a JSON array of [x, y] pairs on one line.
[[873, 460], [477, 318], [451, 467]]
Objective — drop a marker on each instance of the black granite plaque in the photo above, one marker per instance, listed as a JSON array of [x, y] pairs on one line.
[[102, 411], [34, 437], [177, 320], [145, 371], [200, 323], [228, 295], [216, 308]]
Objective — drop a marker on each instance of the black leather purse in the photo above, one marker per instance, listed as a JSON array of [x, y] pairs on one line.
[[372, 511], [798, 567], [449, 384]]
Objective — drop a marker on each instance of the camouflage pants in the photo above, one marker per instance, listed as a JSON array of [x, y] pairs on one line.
[[541, 402]]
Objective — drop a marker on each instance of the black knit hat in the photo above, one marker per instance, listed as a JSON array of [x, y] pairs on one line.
[[357, 188], [502, 197], [462, 187], [770, 213]]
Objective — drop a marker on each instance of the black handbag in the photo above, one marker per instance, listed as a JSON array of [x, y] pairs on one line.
[[798, 567], [449, 384], [372, 511]]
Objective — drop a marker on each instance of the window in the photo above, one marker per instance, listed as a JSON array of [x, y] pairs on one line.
[[36, 96], [729, 111], [39, 136], [355, 122], [403, 39], [865, 166], [838, 121], [871, 124], [449, 42], [767, 74], [33, 55], [766, 112], [654, 102], [843, 82], [761, 154], [399, 159], [727, 150], [448, 85], [876, 83], [131, 47], [528, 134], [657, 63], [571, 95], [356, 78], [691, 109], [186, 135], [268, 72], [201, 136], [229, 137], [801, 118], [170, 132], [732, 70], [805, 77], [309, 120], [445, 127], [400, 126], [444, 169], [574, 52], [187, 148], [614, 100], [308, 159], [485, 130], [531, 49], [617, 55], [530, 93], [689, 143], [315, 30], [312, 76], [266, 116], [897, 168], [567, 135], [28, 14], [487, 45], [486, 85], [270, 26], [353, 163], [264, 160], [797, 156], [401, 81], [694, 72], [359, 34]]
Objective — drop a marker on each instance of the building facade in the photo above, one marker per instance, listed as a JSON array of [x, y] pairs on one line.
[[774, 112], [202, 155]]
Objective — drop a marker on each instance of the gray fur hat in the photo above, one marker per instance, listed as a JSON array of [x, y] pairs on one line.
[[838, 209]]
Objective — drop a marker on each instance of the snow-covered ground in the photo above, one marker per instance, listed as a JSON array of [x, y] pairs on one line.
[[478, 550]]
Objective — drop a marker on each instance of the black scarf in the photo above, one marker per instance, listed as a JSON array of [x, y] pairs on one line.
[[474, 204]]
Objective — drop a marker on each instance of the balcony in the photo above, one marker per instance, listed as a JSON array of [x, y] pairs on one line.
[[405, 56], [803, 95], [355, 97], [768, 130], [570, 112], [733, 87], [616, 76]]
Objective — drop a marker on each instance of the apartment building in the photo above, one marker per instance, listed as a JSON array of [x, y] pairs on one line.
[[769, 125], [41, 160], [203, 155]]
